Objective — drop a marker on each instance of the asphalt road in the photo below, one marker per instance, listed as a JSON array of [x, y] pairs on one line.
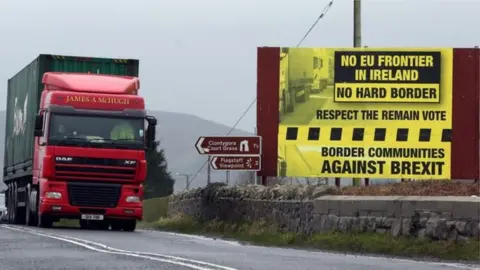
[[33, 248]]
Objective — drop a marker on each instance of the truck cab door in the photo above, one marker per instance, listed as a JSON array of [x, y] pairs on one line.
[[40, 148]]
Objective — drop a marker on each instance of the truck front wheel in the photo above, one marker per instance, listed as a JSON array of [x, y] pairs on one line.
[[19, 216], [129, 225], [44, 221], [30, 206], [116, 225]]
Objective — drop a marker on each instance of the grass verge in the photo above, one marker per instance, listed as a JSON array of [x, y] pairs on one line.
[[155, 208], [369, 243]]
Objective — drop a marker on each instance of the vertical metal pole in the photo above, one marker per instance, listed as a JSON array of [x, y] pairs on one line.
[[187, 186], [208, 170], [227, 177], [357, 24], [357, 42]]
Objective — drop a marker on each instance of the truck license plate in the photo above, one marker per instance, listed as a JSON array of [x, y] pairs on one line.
[[92, 217]]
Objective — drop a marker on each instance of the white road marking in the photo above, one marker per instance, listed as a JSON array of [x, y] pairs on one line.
[[106, 249], [146, 253], [178, 260], [199, 237]]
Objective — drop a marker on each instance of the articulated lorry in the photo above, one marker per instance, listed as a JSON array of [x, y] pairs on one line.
[[296, 78], [76, 136]]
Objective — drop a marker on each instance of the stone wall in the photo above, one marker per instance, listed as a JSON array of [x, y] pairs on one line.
[[438, 218]]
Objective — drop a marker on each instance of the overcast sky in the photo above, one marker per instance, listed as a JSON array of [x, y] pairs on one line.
[[199, 57]]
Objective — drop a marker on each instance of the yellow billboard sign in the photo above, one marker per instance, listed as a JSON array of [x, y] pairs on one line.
[[365, 112]]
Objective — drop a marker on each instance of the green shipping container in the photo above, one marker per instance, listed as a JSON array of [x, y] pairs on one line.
[[23, 98]]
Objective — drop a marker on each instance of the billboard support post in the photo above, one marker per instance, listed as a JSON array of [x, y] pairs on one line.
[[208, 170], [357, 42]]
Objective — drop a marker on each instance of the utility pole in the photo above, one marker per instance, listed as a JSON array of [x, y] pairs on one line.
[[357, 42], [227, 177], [357, 24], [208, 170]]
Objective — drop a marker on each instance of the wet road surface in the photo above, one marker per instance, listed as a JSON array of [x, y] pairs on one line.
[[24, 247]]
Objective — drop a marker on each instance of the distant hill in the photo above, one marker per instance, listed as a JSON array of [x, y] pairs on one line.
[[177, 133]]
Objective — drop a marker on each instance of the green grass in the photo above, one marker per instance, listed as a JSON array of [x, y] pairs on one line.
[[154, 209], [374, 243]]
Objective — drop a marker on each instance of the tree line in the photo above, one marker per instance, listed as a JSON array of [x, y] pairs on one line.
[[159, 181]]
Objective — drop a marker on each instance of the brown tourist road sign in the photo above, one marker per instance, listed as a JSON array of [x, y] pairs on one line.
[[236, 163], [229, 145]]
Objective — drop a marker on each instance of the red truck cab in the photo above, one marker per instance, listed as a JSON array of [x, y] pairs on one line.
[[91, 134]]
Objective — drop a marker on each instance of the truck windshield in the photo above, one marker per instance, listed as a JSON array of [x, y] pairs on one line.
[[96, 131]]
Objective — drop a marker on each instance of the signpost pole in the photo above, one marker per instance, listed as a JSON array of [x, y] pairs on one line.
[[208, 170], [256, 173], [357, 42]]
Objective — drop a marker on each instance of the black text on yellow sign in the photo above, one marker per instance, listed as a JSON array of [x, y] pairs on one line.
[[386, 76], [375, 162], [396, 93], [419, 169]]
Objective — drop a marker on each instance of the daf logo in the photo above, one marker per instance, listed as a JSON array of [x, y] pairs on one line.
[[68, 159], [130, 162]]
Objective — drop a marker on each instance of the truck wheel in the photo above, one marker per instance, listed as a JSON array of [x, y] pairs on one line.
[[9, 203], [284, 102], [28, 211], [44, 221], [116, 225], [129, 225], [35, 208], [19, 214], [14, 203], [289, 105], [104, 225], [17, 218]]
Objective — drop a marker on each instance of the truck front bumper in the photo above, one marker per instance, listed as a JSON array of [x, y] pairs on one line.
[[74, 212]]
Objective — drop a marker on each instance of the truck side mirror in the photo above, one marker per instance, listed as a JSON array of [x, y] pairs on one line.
[[151, 120], [152, 124], [38, 126]]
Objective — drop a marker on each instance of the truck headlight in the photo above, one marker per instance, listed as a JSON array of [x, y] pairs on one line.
[[132, 199], [53, 195]]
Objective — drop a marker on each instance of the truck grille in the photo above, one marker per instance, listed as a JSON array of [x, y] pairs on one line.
[[81, 168], [93, 194]]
